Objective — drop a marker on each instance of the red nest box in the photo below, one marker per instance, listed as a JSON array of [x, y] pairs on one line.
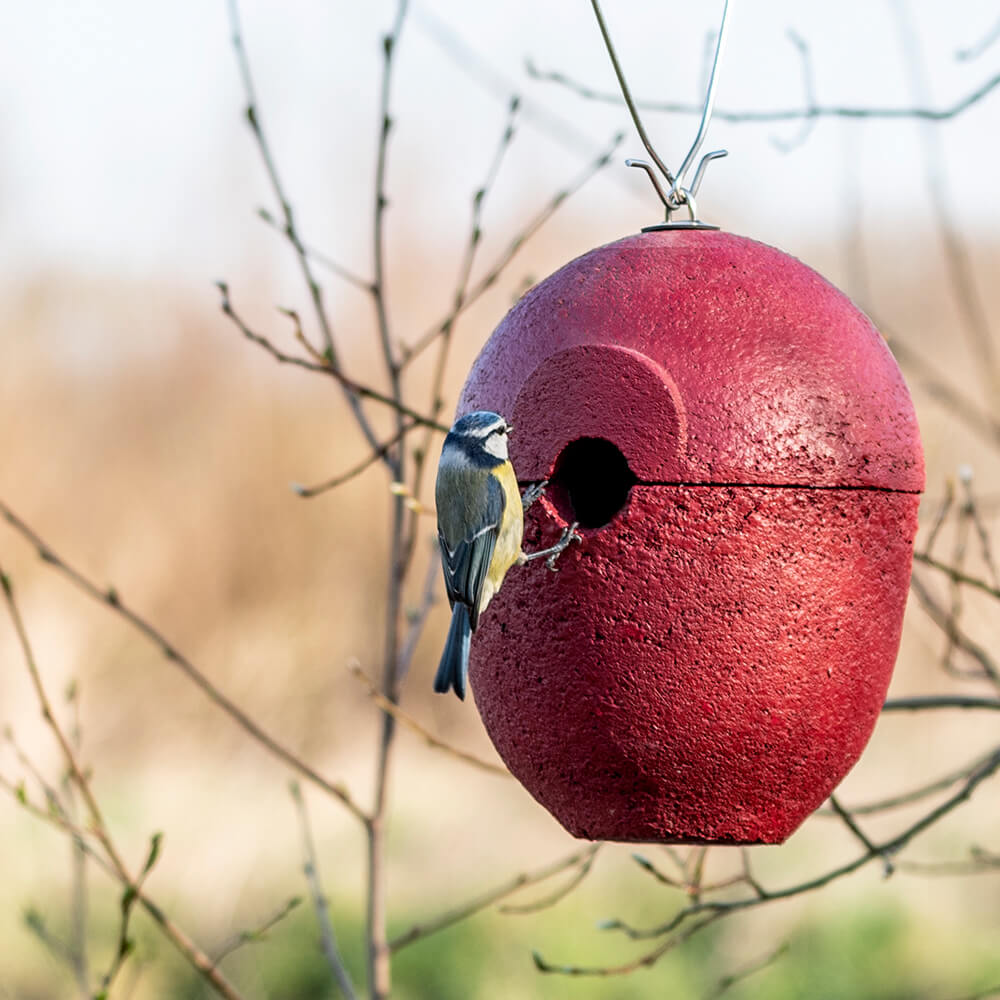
[[742, 454]]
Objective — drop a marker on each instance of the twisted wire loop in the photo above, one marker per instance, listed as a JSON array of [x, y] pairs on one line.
[[680, 194]]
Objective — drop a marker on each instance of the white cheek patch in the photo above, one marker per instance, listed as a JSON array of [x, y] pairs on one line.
[[496, 445]]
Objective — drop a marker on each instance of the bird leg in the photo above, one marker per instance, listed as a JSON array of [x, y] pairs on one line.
[[552, 553], [532, 493]]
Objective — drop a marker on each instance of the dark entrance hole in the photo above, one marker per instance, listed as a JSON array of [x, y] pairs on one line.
[[590, 482]]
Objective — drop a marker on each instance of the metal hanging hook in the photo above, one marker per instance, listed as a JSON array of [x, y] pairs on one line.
[[680, 193]]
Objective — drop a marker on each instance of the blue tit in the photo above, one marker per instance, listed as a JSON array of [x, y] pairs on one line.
[[480, 526]]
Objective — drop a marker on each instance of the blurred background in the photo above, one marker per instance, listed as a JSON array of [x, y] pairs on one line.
[[153, 447]]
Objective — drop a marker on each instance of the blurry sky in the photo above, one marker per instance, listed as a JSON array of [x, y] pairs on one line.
[[123, 151]]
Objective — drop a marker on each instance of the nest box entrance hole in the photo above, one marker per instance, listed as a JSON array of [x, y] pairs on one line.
[[590, 482]]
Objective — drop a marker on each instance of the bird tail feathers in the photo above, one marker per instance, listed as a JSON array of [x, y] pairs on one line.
[[454, 667]]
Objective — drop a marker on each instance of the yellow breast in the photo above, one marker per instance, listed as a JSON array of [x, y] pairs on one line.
[[508, 546]]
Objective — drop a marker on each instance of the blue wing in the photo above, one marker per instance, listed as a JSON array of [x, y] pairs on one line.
[[466, 560]]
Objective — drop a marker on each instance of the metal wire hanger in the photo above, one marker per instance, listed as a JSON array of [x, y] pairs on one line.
[[680, 194]]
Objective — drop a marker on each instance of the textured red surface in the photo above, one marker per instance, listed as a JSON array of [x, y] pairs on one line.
[[708, 665], [770, 374]]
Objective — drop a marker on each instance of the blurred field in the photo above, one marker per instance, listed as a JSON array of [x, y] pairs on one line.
[[153, 448]]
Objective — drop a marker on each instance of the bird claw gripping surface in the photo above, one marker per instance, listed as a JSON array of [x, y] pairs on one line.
[[569, 536], [532, 493]]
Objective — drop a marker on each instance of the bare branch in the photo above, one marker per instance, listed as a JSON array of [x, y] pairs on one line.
[[258, 933], [111, 599], [354, 388], [979, 861], [683, 924], [434, 742], [750, 116], [940, 617], [758, 965], [291, 232], [324, 260], [500, 264], [500, 85], [955, 399], [417, 617], [852, 825], [428, 927], [355, 470], [971, 508], [916, 794], [809, 92], [975, 50], [939, 518], [643, 961], [458, 304], [560, 894], [321, 905], [59, 949], [132, 887], [975, 317], [920, 703], [389, 43]]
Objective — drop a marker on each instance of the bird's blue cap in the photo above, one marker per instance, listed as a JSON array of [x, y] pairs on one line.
[[477, 422]]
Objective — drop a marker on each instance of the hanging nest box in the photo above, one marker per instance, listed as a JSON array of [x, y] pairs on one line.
[[741, 452]]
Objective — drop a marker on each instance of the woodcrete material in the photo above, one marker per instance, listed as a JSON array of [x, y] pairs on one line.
[[742, 451]]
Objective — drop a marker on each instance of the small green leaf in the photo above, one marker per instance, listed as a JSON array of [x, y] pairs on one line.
[[154, 852]]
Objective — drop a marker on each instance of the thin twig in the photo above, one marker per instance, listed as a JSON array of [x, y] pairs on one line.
[[354, 388], [915, 794], [258, 933], [427, 927], [434, 742], [378, 964], [643, 961], [892, 846], [355, 470], [856, 830], [253, 116], [809, 91], [500, 264], [920, 703], [954, 398], [324, 260], [956, 597], [112, 599], [129, 898], [726, 982], [59, 949], [78, 860], [751, 116], [417, 617], [321, 905], [977, 48], [500, 85], [61, 822], [560, 894], [458, 301], [940, 617], [971, 507], [958, 257], [133, 890], [979, 861], [939, 518]]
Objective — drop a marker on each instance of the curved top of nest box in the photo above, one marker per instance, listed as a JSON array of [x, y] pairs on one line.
[[705, 358]]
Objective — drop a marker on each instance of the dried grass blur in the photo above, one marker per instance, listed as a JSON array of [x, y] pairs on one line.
[[154, 448]]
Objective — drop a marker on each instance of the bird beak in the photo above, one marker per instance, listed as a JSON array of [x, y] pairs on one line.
[[510, 428]]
